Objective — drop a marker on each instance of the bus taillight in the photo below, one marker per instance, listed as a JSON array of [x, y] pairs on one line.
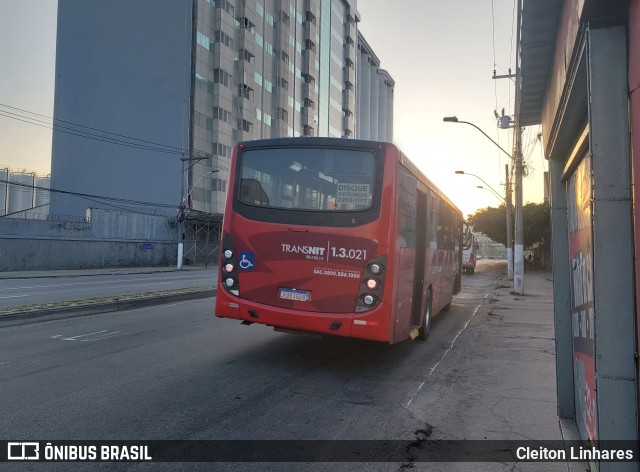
[[372, 282], [229, 275]]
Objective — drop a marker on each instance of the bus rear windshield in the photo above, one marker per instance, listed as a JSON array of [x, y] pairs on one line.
[[308, 179]]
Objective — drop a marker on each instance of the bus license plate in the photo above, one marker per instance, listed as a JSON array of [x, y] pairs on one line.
[[293, 294]]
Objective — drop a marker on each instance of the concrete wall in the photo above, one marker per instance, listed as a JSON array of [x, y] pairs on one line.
[[107, 239]]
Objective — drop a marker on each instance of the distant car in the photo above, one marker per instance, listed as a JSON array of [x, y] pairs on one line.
[[469, 250]]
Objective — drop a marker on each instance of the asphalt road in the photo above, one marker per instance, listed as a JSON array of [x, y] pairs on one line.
[[19, 292], [177, 372]]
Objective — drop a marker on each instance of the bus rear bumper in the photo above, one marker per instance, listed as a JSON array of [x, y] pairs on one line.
[[374, 325]]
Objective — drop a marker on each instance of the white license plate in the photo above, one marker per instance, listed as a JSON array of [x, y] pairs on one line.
[[293, 294]]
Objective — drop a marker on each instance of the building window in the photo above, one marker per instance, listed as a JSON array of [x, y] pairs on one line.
[[220, 185], [283, 83], [246, 24], [269, 18], [310, 45], [245, 91], [282, 114], [245, 126], [309, 103], [247, 56], [308, 130], [221, 150], [268, 47], [221, 77], [203, 40], [221, 114], [226, 6], [224, 39]]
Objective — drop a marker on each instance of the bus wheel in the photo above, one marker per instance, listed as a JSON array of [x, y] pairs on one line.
[[425, 329]]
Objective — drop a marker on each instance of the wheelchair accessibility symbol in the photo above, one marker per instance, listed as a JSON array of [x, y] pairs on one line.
[[246, 261]]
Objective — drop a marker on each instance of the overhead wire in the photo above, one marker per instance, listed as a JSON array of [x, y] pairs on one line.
[[124, 201], [97, 134]]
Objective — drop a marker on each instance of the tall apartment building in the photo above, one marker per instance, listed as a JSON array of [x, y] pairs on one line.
[[374, 106], [192, 78]]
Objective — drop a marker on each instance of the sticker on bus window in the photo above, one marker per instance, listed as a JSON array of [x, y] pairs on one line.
[[358, 194]]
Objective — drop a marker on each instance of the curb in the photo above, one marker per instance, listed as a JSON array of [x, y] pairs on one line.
[[49, 314]]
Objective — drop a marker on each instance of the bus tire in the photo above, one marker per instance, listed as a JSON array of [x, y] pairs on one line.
[[425, 329]]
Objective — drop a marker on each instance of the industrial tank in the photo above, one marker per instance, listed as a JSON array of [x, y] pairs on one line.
[[21, 195], [4, 191]]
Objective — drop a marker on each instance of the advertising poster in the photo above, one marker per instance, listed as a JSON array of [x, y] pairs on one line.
[[579, 189]]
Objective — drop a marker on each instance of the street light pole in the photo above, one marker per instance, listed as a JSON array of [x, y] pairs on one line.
[[510, 259], [454, 119], [518, 255], [509, 224], [182, 207], [507, 204], [495, 194]]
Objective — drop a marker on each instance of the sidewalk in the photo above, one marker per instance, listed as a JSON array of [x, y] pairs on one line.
[[498, 381]]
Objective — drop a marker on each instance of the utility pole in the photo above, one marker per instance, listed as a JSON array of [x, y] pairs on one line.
[[181, 216], [518, 258], [182, 207], [509, 223]]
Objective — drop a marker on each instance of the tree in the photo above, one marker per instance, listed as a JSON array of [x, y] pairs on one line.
[[490, 221], [536, 225]]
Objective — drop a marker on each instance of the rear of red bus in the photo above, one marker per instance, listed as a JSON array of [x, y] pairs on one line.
[[305, 240]]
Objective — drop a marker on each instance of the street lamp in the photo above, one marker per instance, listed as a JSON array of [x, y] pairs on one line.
[[454, 119], [518, 275], [494, 193], [507, 204], [461, 172]]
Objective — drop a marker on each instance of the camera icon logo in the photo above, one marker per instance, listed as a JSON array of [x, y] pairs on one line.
[[23, 451]]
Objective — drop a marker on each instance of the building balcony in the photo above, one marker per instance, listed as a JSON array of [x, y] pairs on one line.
[[308, 116], [348, 100], [349, 74], [310, 29], [309, 63], [311, 6], [350, 51], [309, 91]]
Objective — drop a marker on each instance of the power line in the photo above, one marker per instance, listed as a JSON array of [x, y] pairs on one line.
[[105, 136], [93, 129], [124, 201]]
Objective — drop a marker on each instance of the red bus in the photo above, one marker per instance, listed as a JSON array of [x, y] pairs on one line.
[[336, 236]]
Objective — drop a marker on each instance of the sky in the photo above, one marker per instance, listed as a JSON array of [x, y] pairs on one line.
[[440, 54]]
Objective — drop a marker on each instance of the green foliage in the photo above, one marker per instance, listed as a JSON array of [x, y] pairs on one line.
[[536, 225]]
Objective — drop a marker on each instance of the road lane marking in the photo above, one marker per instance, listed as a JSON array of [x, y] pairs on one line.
[[15, 296], [445, 353], [113, 333], [96, 283], [56, 336], [74, 338]]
